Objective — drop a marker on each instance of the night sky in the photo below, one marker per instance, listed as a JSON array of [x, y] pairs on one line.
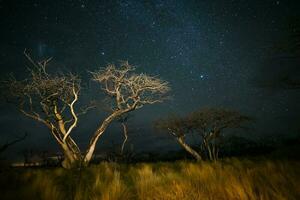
[[211, 52]]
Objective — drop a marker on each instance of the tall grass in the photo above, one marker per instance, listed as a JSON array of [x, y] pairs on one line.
[[227, 179]]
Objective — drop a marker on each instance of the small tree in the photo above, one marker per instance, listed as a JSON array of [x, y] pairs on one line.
[[209, 123], [179, 128], [128, 92]]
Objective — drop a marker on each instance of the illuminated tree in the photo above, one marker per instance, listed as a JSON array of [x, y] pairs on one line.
[[49, 99], [128, 92]]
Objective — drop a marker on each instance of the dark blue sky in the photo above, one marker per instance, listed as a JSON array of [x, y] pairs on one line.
[[210, 51]]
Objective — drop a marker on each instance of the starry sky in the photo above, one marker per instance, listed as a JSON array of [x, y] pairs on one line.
[[211, 52]]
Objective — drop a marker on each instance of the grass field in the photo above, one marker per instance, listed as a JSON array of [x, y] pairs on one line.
[[183, 180]]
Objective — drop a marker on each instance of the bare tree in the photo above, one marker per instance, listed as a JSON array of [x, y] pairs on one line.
[[128, 91], [209, 123], [50, 99], [3, 147], [179, 128]]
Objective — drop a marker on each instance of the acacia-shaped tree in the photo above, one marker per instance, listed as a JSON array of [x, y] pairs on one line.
[[50, 99], [179, 128], [128, 91], [208, 123]]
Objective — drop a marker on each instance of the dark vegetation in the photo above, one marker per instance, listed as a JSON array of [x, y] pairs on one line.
[[226, 179]]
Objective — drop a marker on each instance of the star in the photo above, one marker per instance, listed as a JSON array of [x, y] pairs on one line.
[[201, 76]]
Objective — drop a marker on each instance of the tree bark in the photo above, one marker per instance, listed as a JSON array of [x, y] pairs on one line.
[[71, 158], [210, 152], [72, 154], [125, 131], [215, 150], [207, 148], [190, 150], [97, 134]]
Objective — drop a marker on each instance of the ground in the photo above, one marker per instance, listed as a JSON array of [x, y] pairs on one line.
[[232, 178]]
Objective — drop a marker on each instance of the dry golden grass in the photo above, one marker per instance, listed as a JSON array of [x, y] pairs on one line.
[[183, 180]]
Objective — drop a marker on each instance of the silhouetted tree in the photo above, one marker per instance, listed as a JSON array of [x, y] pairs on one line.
[[209, 123], [179, 128], [3, 147]]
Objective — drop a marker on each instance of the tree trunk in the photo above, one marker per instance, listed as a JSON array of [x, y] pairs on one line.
[[125, 131], [73, 146], [97, 134], [72, 154], [69, 158], [194, 153], [215, 151], [210, 152], [207, 148]]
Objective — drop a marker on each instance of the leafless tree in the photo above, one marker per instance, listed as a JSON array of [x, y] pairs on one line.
[[179, 128], [3, 147], [128, 91], [49, 99], [209, 123]]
